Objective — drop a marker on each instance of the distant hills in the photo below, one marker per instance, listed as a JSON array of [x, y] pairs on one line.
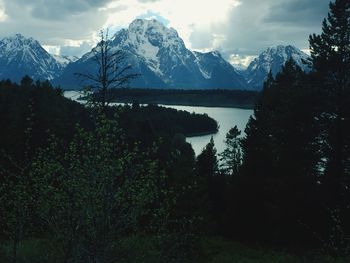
[[156, 52]]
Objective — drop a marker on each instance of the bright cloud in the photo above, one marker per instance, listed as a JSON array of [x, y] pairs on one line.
[[183, 15], [3, 15], [239, 29], [242, 60]]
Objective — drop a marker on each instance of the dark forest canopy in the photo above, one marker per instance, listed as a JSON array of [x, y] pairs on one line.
[[48, 113], [209, 98]]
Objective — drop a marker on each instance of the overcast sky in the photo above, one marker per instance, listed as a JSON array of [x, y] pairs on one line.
[[239, 29]]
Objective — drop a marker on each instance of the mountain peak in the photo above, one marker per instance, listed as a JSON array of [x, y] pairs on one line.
[[151, 30], [20, 55], [137, 23], [273, 58], [160, 56], [18, 40], [282, 48]]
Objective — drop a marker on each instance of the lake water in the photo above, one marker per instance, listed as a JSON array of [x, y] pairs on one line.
[[225, 117]]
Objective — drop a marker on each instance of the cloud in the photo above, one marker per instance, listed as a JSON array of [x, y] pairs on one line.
[[3, 15], [54, 22], [78, 51], [148, 1], [254, 25], [297, 12], [234, 27], [240, 60], [58, 9]]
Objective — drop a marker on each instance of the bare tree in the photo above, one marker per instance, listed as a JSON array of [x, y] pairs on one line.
[[112, 71]]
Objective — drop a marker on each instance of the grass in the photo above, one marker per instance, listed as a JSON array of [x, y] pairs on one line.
[[143, 249], [218, 250]]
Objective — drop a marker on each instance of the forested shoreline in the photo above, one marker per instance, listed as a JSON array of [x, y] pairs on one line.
[[244, 99]]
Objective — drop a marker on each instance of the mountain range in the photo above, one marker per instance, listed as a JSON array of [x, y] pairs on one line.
[[155, 51]]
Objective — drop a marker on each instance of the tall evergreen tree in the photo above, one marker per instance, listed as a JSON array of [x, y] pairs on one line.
[[207, 163], [330, 58], [207, 173], [279, 158], [231, 157]]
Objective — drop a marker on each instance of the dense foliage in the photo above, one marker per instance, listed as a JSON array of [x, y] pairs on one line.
[[152, 121]]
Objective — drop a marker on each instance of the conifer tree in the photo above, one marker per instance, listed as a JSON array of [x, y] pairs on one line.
[[207, 164], [330, 58], [231, 157]]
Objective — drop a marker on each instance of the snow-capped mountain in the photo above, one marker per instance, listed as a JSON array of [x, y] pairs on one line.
[[21, 56], [161, 58], [155, 51], [273, 59]]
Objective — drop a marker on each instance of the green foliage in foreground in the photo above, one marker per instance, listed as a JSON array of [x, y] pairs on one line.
[[138, 249], [84, 180]]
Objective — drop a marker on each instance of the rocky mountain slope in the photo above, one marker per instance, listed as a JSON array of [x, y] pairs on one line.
[[272, 59], [161, 58], [21, 56]]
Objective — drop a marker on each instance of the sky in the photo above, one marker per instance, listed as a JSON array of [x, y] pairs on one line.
[[239, 29]]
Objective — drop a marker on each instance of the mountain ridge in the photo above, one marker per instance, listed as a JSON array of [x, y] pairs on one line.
[[21, 56], [273, 58], [161, 58], [156, 52]]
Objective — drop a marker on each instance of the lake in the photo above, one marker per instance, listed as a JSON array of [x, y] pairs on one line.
[[225, 117]]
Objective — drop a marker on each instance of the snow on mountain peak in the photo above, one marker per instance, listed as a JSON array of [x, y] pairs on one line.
[[21, 56], [150, 32], [148, 39], [273, 58], [161, 58], [16, 42]]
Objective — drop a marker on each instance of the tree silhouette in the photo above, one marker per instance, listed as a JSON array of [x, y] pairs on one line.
[[231, 157], [330, 57], [112, 71]]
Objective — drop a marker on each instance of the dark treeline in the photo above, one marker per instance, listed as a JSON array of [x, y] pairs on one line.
[[39, 108], [208, 98], [102, 184], [289, 182], [156, 121]]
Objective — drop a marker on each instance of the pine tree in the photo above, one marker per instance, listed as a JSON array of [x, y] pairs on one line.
[[231, 157], [207, 172], [207, 163], [330, 58]]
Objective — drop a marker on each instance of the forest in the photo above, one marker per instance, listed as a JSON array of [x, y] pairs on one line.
[[120, 184], [245, 99]]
